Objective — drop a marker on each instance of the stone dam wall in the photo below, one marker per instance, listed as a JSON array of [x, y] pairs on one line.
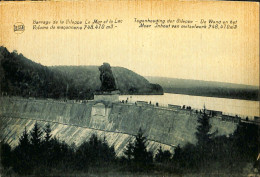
[[118, 122]]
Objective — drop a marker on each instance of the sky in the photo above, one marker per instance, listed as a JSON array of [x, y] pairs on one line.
[[222, 55]]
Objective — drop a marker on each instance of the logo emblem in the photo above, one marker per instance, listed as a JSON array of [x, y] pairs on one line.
[[19, 27]]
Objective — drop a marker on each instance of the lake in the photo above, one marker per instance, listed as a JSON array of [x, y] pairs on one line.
[[241, 108]]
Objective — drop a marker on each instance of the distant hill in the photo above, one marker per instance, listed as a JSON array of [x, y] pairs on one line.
[[206, 88], [128, 82], [20, 76]]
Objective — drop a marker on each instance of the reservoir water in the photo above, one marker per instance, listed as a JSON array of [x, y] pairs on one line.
[[241, 108]]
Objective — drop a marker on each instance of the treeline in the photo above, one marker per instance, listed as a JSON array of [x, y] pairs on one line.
[[219, 153], [23, 77], [207, 88], [233, 93], [40, 153], [20, 76], [211, 154]]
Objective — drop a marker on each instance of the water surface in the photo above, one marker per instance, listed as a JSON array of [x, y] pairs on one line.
[[241, 108]]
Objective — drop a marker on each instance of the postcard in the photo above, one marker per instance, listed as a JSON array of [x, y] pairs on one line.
[[129, 88]]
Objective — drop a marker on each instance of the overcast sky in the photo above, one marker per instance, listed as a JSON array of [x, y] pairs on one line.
[[203, 54]]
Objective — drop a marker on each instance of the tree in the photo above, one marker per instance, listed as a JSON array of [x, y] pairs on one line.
[[6, 155], [47, 146], [163, 156], [22, 155], [203, 130], [55, 152], [24, 141], [48, 135], [82, 157], [177, 158], [177, 153], [246, 141], [36, 135], [108, 153], [203, 150], [140, 154], [94, 152], [129, 151], [36, 143]]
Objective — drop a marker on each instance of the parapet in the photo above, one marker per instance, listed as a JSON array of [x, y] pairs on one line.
[[112, 96]]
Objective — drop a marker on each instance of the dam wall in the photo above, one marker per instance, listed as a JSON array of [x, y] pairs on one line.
[[76, 122]]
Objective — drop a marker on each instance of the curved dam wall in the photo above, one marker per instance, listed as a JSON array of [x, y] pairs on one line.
[[76, 122]]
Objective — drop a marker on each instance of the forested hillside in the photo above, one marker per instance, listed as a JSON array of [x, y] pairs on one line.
[[20, 76], [127, 81], [206, 88], [23, 77]]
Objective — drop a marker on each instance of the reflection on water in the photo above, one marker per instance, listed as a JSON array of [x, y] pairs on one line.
[[227, 106]]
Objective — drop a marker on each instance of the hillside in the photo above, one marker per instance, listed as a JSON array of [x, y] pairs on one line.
[[127, 81], [20, 76], [206, 88], [23, 77]]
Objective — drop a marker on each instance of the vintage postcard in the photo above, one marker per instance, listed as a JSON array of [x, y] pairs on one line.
[[129, 88]]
